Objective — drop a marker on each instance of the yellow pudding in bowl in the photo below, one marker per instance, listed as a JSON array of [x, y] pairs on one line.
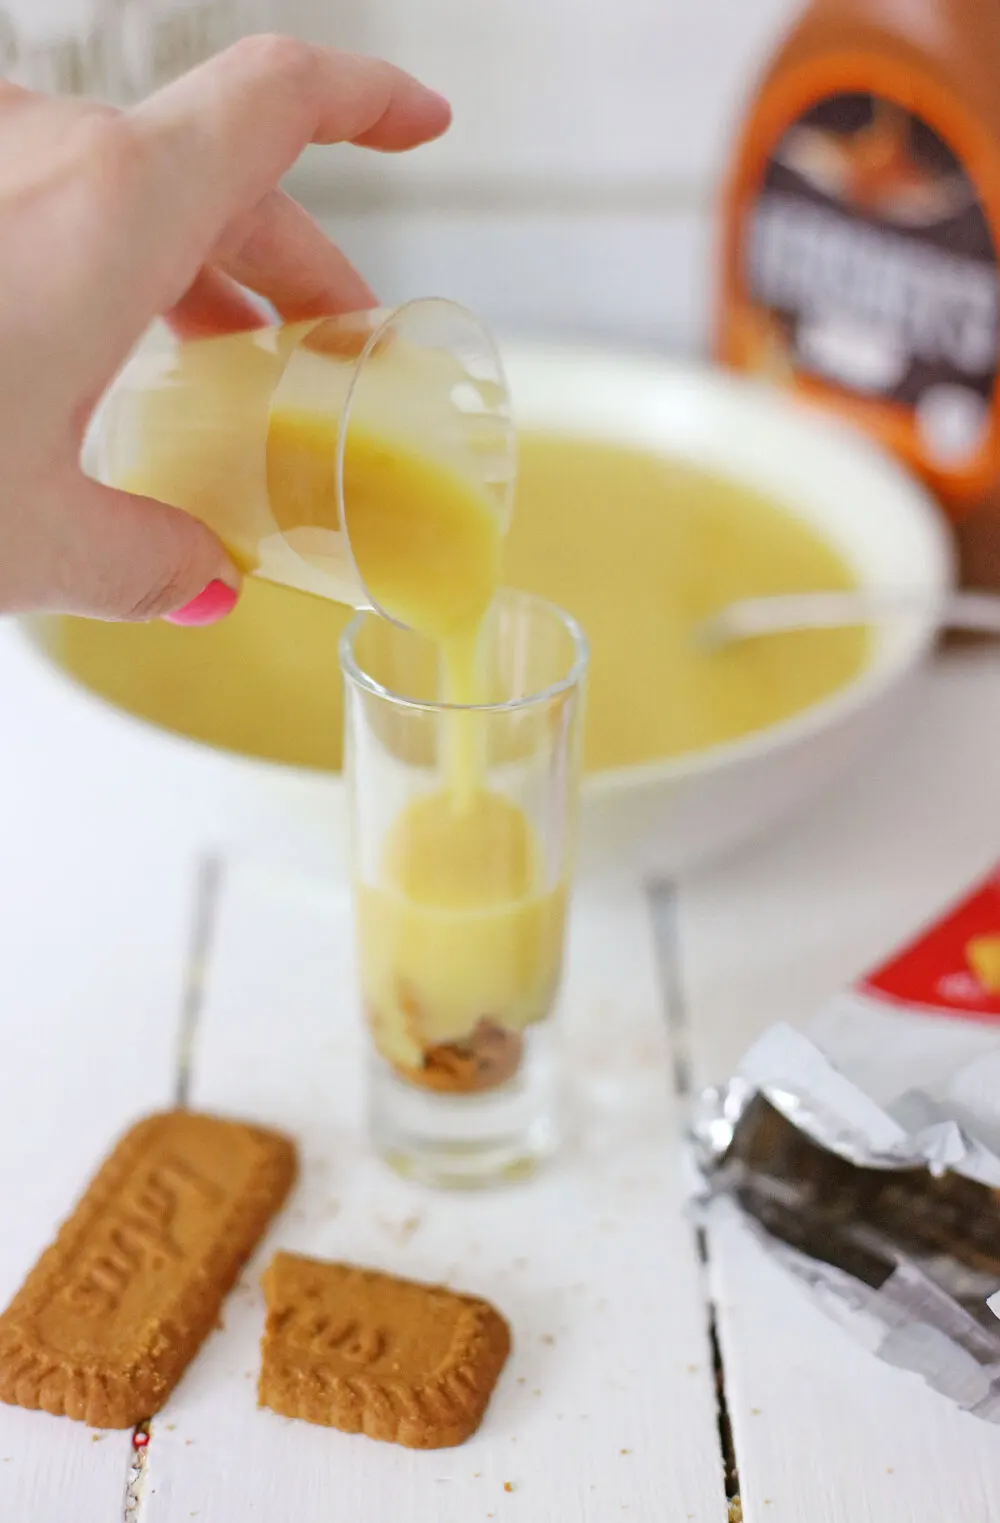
[[637, 546], [650, 491]]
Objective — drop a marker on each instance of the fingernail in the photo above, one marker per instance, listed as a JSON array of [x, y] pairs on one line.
[[207, 608]]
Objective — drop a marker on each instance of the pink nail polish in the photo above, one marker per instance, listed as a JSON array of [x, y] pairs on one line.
[[207, 608]]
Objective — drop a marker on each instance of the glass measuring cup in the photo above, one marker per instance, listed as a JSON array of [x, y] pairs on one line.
[[337, 455]]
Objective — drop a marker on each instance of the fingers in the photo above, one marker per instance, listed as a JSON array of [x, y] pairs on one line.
[[213, 304], [280, 251], [278, 94], [217, 140], [109, 555]]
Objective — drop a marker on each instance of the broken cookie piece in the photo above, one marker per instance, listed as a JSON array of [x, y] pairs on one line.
[[365, 1352]]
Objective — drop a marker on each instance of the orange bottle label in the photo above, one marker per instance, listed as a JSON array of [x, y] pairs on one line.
[[861, 262]]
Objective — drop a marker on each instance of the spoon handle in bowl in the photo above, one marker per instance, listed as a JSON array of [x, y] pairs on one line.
[[977, 612], [751, 617]]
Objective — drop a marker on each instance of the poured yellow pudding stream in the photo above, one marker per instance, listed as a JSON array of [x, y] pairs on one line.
[[637, 547], [460, 927], [428, 545]]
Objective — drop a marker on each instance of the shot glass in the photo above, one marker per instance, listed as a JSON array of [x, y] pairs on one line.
[[293, 442], [463, 827]]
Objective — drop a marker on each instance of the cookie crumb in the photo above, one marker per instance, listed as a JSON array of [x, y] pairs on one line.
[[507, 1486], [624, 1451], [400, 1232], [95, 1438], [548, 1338]]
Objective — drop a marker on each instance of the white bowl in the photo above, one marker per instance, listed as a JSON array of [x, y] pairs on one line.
[[664, 818], [670, 816]]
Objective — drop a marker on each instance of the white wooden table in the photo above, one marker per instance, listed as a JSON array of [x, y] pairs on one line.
[[636, 1343]]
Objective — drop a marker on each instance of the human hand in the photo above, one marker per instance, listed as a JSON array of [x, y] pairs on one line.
[[110, 219]]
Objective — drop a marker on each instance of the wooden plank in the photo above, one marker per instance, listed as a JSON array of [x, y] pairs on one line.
[[770, 934], [606, 1409], [171, 797], [93, 944], [822, 1430]]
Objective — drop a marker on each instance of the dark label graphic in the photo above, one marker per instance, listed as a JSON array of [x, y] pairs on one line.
[[871, 269]]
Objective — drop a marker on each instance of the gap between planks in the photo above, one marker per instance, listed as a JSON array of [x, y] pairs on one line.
[[206, 905], [208, 884], [663, 909], [661, 897], [609, 1209]]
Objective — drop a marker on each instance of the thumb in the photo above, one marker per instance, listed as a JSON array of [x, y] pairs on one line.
[[111, 555]]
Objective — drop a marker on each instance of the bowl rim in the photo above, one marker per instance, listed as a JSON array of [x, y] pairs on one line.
[[877, 676]]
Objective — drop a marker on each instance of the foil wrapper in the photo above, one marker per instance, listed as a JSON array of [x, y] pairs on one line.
[[864, 1152]]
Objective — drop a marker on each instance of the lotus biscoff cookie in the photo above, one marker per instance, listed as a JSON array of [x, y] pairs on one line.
[[368, 1353], [115, 1309]]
